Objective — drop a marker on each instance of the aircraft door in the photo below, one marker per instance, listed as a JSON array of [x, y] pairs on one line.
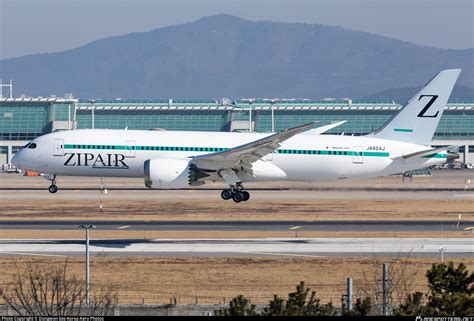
[[130, 149], [58, 149], [358, 157]]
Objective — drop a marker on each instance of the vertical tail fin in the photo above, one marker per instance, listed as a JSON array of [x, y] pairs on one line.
[[416, 122]]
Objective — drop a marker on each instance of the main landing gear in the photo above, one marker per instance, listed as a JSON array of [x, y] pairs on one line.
[[236, 192], [52, 188]]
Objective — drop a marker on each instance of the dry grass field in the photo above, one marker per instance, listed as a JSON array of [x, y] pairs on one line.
[[218, 279], [209, 210], [124, 234]]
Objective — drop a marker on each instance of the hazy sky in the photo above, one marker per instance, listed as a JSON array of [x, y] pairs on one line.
[[34, 26]]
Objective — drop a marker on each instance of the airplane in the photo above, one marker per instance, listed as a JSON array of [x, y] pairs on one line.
[[181, 159]]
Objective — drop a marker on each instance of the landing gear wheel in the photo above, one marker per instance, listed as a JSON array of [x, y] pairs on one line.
[[226, 194], [238, 197], [53, 189], [246, 196]]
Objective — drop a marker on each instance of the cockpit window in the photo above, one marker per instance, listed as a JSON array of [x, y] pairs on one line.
[[32, 145], [26, 145]]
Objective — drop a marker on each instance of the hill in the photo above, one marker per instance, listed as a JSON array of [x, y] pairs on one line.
[[225, 56], [402, 95]]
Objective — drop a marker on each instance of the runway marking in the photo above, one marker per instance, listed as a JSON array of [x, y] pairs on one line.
[[463, 195], [123, 227], [281, 254], [32, 254]]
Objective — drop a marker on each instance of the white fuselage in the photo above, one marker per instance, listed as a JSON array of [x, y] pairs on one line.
[[305, 157]]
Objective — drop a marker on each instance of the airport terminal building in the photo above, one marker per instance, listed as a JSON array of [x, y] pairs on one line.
[[23, 119]]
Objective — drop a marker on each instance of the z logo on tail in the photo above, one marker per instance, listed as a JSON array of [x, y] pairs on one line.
[[428, 105]]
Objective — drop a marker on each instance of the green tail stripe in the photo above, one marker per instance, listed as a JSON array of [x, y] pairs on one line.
[[405, 130], [436, 156]]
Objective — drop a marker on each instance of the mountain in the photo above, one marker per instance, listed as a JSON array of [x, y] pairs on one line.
[[402, 95], [225, 56]]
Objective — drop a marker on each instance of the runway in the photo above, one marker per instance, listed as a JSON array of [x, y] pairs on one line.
[[132, 225], [304, 247], [409, 208], [211, 194], [442, 185]]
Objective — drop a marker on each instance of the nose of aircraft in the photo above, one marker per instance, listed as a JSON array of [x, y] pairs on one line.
[[16, 159]]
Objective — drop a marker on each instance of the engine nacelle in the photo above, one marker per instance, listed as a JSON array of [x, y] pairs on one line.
[[266, 171], [167, 173]]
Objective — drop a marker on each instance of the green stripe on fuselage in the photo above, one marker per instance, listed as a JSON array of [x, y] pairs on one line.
[[379, 154], [221, 149]]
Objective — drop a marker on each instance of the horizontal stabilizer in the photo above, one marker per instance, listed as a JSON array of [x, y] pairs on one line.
[[323, 129], [428, 152]]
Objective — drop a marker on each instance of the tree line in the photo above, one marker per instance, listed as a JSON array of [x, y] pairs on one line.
[[54, 292], [450, 293]]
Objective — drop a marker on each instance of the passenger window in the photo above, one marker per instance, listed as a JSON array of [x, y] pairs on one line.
[[32, 146]]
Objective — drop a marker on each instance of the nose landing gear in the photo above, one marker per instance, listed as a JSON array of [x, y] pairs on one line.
[[236, 192], [52, 188]]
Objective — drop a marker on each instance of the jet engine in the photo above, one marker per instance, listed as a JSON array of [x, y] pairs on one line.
[[162, 173]]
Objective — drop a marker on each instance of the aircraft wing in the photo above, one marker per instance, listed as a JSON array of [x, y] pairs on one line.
[[323, 129], [249, 153]]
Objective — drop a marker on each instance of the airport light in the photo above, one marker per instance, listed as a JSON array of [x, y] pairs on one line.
[[295, 228], [273, 101], [102, 191], [250, 101], [74, 117], [441, 250], [10, 85], [68, 116], [459, 220], [92, 101], [349, 294], [87, 228]]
